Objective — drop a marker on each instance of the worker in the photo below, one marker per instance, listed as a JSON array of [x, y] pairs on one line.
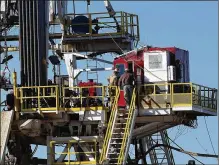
[[2, 78], [10, 100], [127, 83], [178, 71], [113, 81]]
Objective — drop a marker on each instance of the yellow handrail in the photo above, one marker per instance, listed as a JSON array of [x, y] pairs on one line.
[[109, 127], [128, 24], [127, 129], [92, 151]]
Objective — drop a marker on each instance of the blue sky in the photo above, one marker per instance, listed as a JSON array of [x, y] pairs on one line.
[[188, 25]]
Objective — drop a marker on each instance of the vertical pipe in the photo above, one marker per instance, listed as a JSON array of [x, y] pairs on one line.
[[21, 40], [42, 40], [24, 42], [27, 24], [30, 54], [38, 39], [35, 43], [33, 20], [15, 90]]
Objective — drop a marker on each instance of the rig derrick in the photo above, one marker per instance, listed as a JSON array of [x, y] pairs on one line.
[[85, 122]]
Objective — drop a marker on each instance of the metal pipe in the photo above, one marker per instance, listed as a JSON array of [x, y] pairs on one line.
[[38, 39], [42, 40], [35, 45], [23, 39], [27, 13], [30, 54]]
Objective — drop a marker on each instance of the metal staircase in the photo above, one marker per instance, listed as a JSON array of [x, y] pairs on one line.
[[119, 134], [160, 155]]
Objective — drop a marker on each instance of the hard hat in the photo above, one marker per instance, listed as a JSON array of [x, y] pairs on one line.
[[11, 92], [126, 69], [116, 70]]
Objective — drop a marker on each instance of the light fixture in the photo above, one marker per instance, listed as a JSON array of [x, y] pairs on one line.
[[6, 59], [54, 60]]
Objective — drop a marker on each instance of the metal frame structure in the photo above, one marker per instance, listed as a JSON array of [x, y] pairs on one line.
[[92, 127]]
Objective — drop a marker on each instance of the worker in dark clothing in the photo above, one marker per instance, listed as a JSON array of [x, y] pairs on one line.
[[127, 83], [178, 71], [10, 100]]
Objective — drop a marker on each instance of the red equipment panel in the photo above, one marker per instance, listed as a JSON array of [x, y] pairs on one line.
[[92, 90]]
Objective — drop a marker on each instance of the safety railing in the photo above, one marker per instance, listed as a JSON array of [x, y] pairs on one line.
[[150, 96], [74, 152], [87, 98], [101, 24], [154, 96], [83, 98], [109, 130], [127, 129], [158, 96], [40, 98], [204, 96], [54, 98], [182, 95]]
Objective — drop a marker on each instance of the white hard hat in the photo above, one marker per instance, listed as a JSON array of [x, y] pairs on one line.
[[116, 70], [126, 69]]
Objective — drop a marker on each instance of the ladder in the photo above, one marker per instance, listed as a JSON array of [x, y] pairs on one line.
[[120, 134], [160, 155], [92, 64]]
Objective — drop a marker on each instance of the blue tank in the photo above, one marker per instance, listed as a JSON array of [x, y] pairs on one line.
[[80, 25]]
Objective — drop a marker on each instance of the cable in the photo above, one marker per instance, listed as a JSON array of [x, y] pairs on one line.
[[34, 151], [183, 150], [192, 154], [209, 136], [202, 146]]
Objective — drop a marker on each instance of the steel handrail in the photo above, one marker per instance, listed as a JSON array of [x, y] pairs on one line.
[[127, 129], [108, 134]]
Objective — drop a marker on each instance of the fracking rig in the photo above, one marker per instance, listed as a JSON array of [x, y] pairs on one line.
[[83, 122]]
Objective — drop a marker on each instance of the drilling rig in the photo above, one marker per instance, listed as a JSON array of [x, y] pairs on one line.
[[82, 122]]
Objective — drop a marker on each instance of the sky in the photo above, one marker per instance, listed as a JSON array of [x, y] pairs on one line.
[[192, 26]]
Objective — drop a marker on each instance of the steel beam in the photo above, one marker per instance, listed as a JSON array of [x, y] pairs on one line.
[[76, 138], [150, 129]]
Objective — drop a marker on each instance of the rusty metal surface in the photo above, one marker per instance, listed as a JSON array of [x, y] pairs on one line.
[[6, 120]]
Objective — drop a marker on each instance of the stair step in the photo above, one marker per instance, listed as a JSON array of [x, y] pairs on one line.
[[122, 116], [122, 113], [121, 119], [118, 133], [120, 124], [118, 128], [115, 143]]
